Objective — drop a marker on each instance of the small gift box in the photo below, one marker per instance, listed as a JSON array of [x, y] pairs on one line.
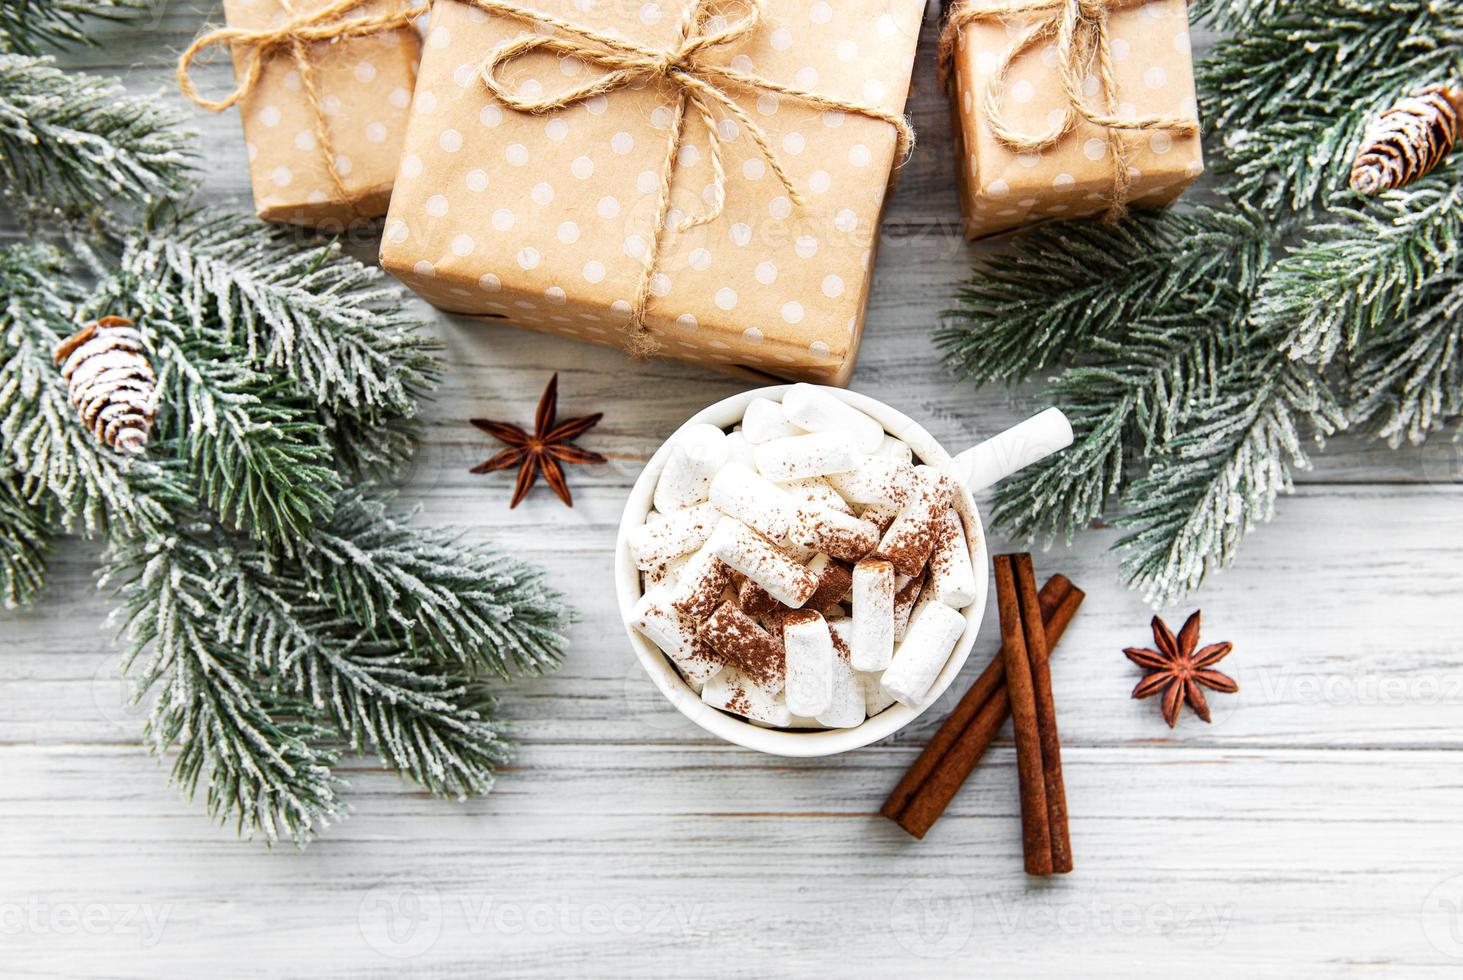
[[324, 87], [699, 179], [1068, 108]]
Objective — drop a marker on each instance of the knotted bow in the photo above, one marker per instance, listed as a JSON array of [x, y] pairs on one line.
[[294, 35], [698, 85], [1080, 30]]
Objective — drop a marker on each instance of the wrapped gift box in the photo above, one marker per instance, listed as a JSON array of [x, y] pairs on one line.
[[543, 219], [365, 86], [1001, 188]]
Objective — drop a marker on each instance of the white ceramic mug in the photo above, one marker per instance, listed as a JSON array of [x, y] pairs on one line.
[[973, 470]]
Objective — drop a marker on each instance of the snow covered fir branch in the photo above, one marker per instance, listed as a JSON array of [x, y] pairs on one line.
[[1200, 350], [77, 143], [279, 608], [28, 26]]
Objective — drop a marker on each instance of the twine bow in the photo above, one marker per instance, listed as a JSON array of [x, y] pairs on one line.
[[1080, 30], [699, 86], [294, 35]]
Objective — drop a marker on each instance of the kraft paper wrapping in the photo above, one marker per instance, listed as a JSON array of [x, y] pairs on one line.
[[542, 220], [365, 85], [1001, 189]]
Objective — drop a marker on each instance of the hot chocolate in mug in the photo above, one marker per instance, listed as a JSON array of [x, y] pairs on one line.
[[971, 471]]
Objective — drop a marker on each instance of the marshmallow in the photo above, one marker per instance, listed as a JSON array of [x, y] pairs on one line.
[[818, 492], [876, 699], [755, 501], [815, 409], [654, 616], [905, 599], [875, 481], [871, 693], [667, 574], [846, 707], [755, 557], [833, 532], [872, 643], [731, 691], [952, 578], [799, 457], [834, 581], [911, 537], [766, 420], [747, 646], [932, 636], [694, 459], [895, 449], [810, 659], [880, 515], [670, 536], [739, 450], [700, 585]]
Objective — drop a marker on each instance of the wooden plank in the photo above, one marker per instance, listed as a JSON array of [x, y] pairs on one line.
[[661, 862]]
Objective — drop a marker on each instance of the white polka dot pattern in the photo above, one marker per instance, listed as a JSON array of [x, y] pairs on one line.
[[366, 85], [546, 220], [1002, 189]]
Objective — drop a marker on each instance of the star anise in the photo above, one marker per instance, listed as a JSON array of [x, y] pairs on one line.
[[544, 450], [1178, 670]]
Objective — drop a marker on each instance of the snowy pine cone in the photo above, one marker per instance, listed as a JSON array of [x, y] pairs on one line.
[[111, 382], [1408, 140]]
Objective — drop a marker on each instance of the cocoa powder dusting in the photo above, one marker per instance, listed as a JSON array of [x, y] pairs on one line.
[[737, 700], [757, 653], [823, 533], [755, 600], [834, 584], [796, 617], [911, 538], [706, 593], [840, 645], [904, 602], [940, 557]]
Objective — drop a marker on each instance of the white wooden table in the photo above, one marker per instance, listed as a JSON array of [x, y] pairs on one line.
[[1310, 830]]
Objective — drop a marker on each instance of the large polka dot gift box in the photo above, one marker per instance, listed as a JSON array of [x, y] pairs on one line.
[[323, 145], [561, 175], [1031, 147]]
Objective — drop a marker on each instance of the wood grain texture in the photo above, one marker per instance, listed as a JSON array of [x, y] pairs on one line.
[[1311, 830]]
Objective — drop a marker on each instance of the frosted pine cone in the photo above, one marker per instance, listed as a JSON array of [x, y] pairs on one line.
[[1408, 140], [112, 384]]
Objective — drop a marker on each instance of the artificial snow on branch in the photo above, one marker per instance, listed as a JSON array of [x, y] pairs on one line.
[[25, 539], [28, 25], [54, 461], [72, 142], [329, 323], [1198, 351]]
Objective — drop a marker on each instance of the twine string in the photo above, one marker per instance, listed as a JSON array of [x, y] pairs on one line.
[[293, 36], [1079, 31], [699, 86]]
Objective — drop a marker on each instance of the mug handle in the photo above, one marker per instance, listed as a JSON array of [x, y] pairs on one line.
[[1021, 445]]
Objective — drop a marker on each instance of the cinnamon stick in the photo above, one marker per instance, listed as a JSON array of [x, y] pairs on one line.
[[953, 753], [1046, 715], [1036, 841], [991, 683]]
